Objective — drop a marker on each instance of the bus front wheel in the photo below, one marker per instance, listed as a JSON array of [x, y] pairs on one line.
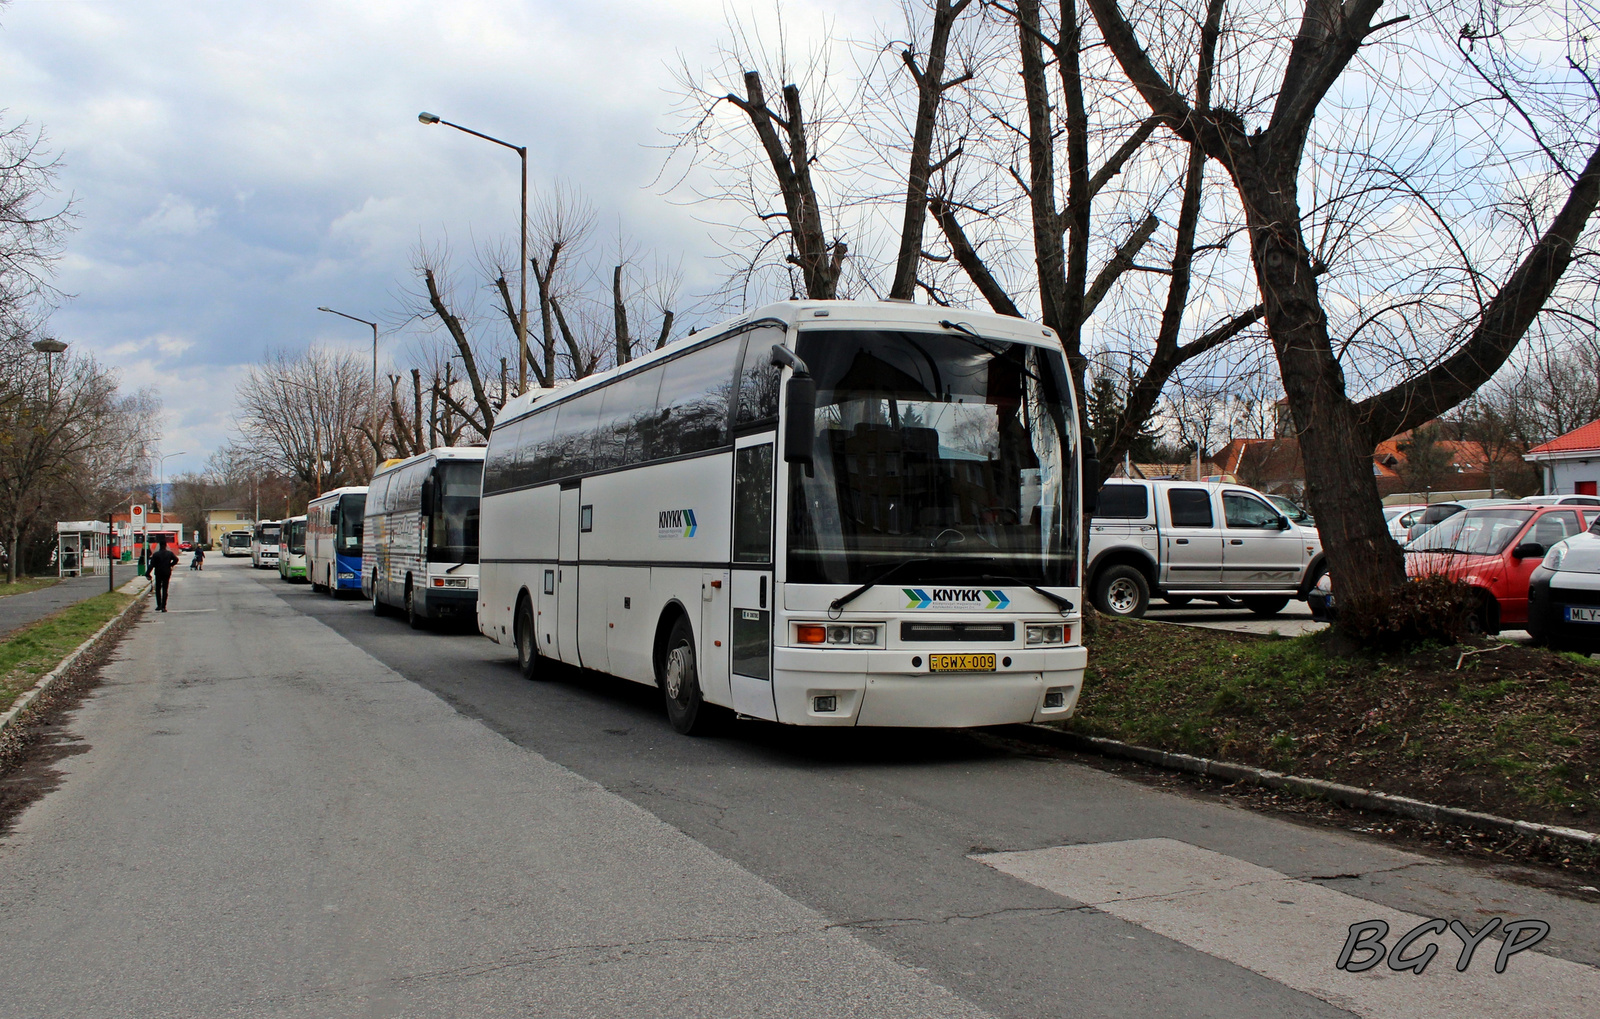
[[378, 608], [527, 646], [414, 616], [680, 683]]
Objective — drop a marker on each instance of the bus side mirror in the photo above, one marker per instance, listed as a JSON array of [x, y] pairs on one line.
[[799, 409], [333, 515], [427, 497]]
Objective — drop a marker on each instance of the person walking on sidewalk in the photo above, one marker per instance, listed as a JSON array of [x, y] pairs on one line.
[[161, 565]]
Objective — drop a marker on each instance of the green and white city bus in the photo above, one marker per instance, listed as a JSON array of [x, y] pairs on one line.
[[292, 551]]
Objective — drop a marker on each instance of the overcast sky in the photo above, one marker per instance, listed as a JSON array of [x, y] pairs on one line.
[[238, 163]]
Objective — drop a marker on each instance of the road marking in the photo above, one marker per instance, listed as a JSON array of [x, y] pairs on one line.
[[190, 610], [1292, 931]]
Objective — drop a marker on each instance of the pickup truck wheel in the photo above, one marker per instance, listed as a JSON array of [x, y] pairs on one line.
[[1122, 591], [1265, 605]]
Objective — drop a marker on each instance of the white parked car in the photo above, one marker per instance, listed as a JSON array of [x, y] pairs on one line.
[[1562, 500], [1183, 539], [1402, 518]]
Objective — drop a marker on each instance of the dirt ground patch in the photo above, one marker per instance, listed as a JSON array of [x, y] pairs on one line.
[[1485, 725]]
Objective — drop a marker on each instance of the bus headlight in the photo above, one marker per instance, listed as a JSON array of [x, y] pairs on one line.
[[838, 634], [1045, 633]]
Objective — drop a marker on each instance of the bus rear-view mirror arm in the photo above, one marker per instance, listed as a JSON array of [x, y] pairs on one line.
[[800, 408]]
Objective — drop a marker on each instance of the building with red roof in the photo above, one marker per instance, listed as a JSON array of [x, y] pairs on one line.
[[1570, 463]]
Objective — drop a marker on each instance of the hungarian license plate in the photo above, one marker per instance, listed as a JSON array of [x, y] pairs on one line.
[[1581, 614], [961, 663]]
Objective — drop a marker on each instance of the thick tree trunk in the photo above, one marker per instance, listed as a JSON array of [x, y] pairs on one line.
[[1334, 445]]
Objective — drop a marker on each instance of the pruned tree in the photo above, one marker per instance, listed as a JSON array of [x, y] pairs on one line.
[[1423, 240], [303, 415]]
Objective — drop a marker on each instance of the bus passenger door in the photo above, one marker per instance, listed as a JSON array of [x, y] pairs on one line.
[[753, 594], [567, 577]]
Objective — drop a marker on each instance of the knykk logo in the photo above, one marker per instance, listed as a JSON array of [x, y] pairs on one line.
[[955, 598], [677, 523]]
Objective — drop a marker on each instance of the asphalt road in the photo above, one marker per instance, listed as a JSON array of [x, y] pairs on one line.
[[286, 806]]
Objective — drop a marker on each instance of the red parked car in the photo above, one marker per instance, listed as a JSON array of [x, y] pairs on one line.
[[1495, 549]]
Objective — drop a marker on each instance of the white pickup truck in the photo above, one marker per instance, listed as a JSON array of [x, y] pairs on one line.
[[1183, 539]]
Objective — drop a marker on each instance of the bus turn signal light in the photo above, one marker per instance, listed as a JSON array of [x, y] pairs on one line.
[[811, 634]]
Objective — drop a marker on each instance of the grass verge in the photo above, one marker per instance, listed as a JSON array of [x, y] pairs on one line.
[[25, 584], [32, 651], [1505, 729]]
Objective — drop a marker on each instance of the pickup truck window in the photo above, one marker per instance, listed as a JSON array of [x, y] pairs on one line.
[[1124, 501], [1190, 507], [1244, 511]]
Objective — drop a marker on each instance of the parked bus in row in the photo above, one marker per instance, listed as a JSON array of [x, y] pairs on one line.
[[333, 539], [292, 553], [264, 544], [421, 551], [235, 543], [824, 514]]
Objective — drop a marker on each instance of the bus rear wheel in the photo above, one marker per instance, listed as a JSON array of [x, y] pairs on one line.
[[527, 641], [680, 682]]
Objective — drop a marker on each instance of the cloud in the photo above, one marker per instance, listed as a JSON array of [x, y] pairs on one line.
[[177, 215], [235, 166]]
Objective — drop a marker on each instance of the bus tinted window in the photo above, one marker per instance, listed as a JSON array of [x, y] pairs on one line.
[[347, 539], [758, 380], [502, 456], [573, 450], [627, 422], [696, 418], [453, 531]]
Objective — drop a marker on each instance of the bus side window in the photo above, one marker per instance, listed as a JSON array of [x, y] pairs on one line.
[[752, 504], [697, 419], [758, 380]]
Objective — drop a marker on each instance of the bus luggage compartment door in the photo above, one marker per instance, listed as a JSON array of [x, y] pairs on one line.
[[567, 578], [713, 663]]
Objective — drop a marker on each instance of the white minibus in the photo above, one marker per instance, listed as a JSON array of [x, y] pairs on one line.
[[421, 551], [827, 513], [333, 539]]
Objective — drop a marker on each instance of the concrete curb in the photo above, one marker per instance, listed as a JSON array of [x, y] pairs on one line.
[[1348, 795], [138, 587]]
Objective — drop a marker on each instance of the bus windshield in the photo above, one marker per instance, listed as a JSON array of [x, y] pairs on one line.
[[347, 540], [297, 537], [268, 534], [237, 539], [453, 534], [942, 448]]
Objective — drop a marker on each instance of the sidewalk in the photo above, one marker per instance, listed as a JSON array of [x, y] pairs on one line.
[[19, 610]]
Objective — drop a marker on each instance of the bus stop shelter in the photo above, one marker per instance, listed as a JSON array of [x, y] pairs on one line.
[[83, 548]]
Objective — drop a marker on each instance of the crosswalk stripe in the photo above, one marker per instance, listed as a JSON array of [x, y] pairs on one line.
[[1292, 931]]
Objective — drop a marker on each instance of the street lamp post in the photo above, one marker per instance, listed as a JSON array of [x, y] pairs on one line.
[[49, 346], [161, 493], [316, 430], [374, 326], [522, 267]]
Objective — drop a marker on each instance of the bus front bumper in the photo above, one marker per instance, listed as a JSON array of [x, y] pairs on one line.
[[885, 688]]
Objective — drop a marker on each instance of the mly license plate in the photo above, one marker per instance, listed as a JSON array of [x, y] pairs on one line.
[[1579, 614], [961, 663]]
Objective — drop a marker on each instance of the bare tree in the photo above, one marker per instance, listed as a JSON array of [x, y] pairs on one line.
[[70, 442], [302, 415], [1366, 164], [33, 227]]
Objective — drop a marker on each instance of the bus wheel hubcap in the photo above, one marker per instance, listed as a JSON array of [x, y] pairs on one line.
[[1122, 596], [678, 666]]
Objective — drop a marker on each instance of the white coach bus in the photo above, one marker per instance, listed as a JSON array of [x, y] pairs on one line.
[[333, 539], [264, 539], [421, 551], [882, 531]]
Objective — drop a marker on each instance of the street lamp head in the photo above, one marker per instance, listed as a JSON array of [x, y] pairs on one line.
[[325, 309], [49, 345], [428, 118]]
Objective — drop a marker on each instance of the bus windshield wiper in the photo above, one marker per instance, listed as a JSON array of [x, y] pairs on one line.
[[843, 600], [1055, 599]]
